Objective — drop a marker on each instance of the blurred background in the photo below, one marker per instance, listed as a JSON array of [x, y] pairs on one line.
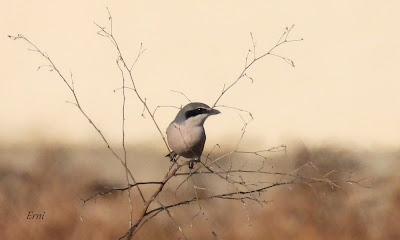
[[338, 108]]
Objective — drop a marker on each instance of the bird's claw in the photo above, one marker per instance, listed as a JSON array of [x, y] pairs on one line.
[[172, 156], [192, 162]]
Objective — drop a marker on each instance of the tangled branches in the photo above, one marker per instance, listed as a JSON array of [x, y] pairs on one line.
[[245, 183]]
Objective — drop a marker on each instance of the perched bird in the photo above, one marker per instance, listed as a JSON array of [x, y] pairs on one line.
[[186, 135]]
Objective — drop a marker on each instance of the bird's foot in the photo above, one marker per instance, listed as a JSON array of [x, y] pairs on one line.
[[192, 162], [172, 156]]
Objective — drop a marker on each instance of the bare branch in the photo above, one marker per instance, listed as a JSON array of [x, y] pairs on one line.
[[130, 202], [76, 99], [120, 189], [109, 35], [218, 196], [237, 109], [164, 106], [144, 108], [282, 40], [242, 187], [143, 211], [183, 94], [254, 45], [140, 53]]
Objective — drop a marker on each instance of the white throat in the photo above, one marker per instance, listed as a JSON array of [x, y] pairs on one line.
[[196, 121]]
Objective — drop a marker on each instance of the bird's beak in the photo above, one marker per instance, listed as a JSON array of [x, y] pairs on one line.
[[213, 111]]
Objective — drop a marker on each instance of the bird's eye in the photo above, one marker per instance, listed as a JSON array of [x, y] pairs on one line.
[[195, 112]]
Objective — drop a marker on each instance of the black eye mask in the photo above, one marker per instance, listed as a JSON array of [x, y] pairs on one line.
[[195, 112]]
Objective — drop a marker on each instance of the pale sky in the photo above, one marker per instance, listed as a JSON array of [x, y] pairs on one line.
[[345, 86]]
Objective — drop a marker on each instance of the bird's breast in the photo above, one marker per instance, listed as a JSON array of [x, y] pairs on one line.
[[187, 141]]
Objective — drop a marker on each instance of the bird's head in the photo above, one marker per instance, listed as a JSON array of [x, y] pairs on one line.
[[195, 114]]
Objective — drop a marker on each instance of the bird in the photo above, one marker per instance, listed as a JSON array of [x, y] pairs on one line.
[[186, 135]]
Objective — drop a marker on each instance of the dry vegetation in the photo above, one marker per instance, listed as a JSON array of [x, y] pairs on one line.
[[242, 183], [54, 179], [232, 194]]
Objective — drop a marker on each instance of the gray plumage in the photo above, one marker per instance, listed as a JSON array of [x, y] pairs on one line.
[[186, 135]]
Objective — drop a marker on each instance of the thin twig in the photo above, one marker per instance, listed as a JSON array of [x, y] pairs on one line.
[[183, 94], [76, 99], [237, 109], [244, 190], [217, 196], [109, 35], [282, 40], [130, 202], [120, 189]]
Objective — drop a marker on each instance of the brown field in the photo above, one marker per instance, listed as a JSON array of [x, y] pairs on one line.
[[52, 179]]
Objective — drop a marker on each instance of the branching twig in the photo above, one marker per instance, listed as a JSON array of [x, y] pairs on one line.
[[121, 189], [183, 94], [110, 36], [282, 40], [130, 202], [216, 196], [163, 106], [237, 109], [76, 102], [154, 196], [244, 190]]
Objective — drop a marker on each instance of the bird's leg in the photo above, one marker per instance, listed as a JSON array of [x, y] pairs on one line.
[[172, 156], [193, 161], [191, 164]]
